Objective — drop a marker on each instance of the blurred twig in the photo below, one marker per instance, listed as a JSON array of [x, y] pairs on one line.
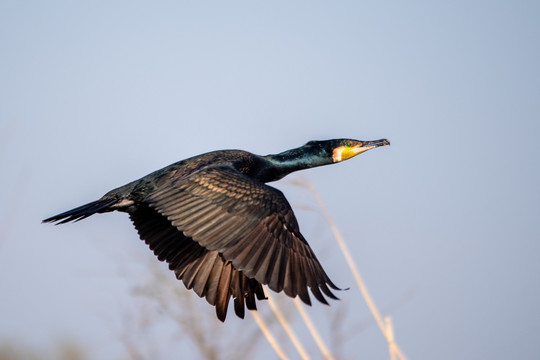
[[63, 350], [194, 320]]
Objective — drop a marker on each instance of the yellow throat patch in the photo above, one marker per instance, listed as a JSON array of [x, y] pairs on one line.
[[346, 152]]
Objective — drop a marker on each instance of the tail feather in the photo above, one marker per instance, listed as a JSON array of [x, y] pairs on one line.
[[82, 212]]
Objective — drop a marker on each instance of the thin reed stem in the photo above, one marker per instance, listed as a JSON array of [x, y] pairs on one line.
[[268, 335], [285, 324], [313, 330]]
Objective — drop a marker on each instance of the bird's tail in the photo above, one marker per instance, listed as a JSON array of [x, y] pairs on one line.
[[82, 212]]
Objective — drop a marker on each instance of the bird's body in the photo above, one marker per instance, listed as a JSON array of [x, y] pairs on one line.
[[221, 229]]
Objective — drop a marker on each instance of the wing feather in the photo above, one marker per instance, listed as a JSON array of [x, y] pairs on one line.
[[223, 294], [204, 271]]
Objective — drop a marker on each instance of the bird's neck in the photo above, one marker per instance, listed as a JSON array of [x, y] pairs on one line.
[[282, 164]]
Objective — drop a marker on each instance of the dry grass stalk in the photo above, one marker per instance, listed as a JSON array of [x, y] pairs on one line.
[[268, 335], [285, 325], [313, 330], [390, 332]]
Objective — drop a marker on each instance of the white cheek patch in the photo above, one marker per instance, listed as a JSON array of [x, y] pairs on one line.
[[336, 154]]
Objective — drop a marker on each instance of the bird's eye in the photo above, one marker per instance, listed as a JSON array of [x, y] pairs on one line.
[[348, 144]]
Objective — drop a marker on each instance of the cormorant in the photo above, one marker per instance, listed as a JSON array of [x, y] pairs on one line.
[[221, 229]]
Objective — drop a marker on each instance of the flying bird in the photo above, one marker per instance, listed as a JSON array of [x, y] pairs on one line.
[[221, 229]]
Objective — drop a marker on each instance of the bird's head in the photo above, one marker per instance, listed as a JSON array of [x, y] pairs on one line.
[[343, 149]]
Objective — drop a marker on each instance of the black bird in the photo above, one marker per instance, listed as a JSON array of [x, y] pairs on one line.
[[221, 229]]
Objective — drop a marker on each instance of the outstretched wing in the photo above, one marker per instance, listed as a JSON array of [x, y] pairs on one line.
[[249, 224], [204, 271]]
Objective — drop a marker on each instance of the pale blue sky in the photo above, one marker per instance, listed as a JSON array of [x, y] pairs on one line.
[[444, 224]]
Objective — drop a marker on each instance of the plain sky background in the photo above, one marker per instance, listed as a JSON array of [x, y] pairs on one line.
[[444, 224]]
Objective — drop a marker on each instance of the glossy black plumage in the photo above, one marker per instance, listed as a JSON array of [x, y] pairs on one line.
[[221, 229]]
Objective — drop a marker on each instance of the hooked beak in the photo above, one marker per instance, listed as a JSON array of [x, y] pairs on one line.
[[344, 152], [368, 145]]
